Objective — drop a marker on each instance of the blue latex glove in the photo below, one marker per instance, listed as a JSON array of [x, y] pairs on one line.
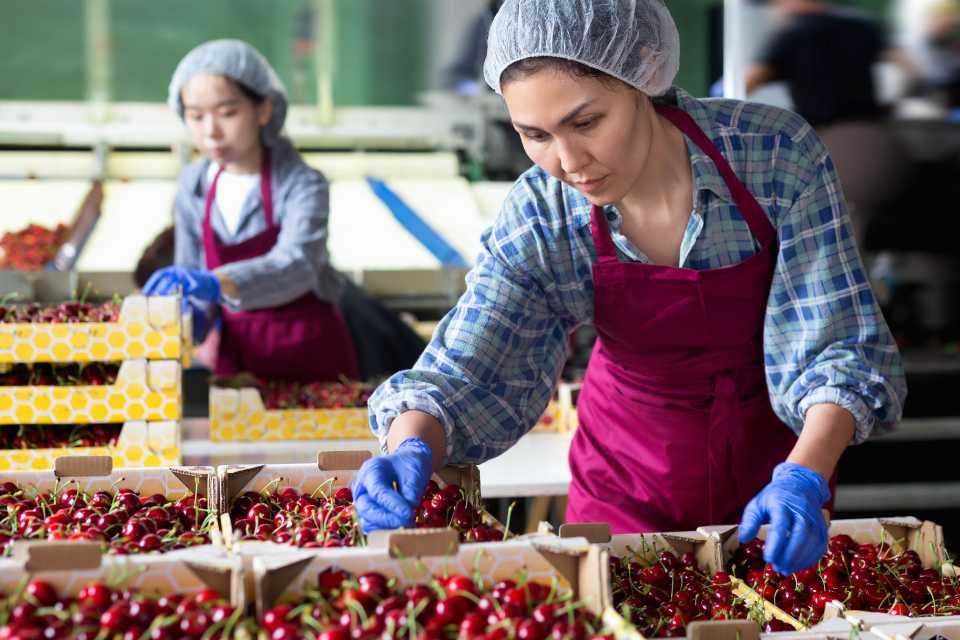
[[797, 536], [378, 504], [199, 283]]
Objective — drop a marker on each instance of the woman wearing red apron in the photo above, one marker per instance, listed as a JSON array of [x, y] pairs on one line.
[[251, 226], [739, 349]]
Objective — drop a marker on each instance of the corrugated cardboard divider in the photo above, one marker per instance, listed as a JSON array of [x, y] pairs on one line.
[[273, 581], [587, 572], [465, 475], [199, 482], [83, 466], [222, 578], [232, 480], [723, 630], [342, 460], [595, 532], [416, 543], [57, 555]]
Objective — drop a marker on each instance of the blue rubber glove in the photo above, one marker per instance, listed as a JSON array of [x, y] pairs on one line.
[[797, 536], [378, 504], [199, 283]]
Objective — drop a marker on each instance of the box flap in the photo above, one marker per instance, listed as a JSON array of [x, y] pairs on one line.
[[219, 576], [83, 466], [594, 580], [723, 630], [57, 555], [195, 479], [342, 460], [416, 543], [232, 482], [595, 532], [905, 630], [272, 581]]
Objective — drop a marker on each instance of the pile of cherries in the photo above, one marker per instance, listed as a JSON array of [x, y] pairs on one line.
[[31, 248], [662, 596], [279, 394], [124, 522], [865, 577], [33, 436], [287, 516], [45, 374], [99, 612], [65, 312], [369, 607]]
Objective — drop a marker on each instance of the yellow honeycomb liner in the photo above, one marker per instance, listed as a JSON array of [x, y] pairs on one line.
[[144, 390], [151, 328], [140, 444], [239, 415]]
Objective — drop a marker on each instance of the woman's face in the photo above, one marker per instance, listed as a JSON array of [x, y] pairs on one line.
[[223, 122], [592, 134]]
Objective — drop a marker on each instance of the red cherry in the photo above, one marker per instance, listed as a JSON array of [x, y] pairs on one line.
[[42, 593]]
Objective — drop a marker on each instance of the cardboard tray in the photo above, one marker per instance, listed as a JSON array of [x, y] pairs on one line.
[[414, 555], [150, 328], [334, 469], [140, 444], [96, 473], [69, 566], [919, 629], [902, 533], [144, 390]]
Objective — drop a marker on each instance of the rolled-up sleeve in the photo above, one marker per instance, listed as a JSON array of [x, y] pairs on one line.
[[825, 339], [293, 267], [494, 360]]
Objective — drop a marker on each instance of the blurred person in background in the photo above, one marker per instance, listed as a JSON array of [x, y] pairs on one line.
[[250, 243], [828, 56]]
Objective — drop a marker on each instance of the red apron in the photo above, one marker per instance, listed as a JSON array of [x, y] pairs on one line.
[[675, 425], [304, 340]]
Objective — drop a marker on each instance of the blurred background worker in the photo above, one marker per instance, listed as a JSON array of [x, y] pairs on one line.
[[827, 55]]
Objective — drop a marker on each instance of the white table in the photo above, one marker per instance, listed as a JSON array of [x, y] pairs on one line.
[[535, 466]]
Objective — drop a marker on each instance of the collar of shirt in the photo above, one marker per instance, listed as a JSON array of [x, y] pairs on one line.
[[706, 176]]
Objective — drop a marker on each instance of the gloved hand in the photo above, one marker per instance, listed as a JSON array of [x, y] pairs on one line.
[[199, 283], [378, 504], [797, 536]]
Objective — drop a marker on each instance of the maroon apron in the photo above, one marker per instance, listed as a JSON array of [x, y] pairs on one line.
[[675, 428], [304, 340]]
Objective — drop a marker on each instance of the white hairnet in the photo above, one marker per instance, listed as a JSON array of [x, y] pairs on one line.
[[241, 63], [633, 40]]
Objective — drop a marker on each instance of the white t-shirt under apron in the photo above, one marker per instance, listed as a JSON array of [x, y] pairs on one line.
[[232, 192]]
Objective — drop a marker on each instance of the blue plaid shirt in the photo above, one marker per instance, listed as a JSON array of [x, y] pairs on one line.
[[494, 360]]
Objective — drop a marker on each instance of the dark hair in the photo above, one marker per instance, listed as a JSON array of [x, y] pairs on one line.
[[254, 97], [529, 66]]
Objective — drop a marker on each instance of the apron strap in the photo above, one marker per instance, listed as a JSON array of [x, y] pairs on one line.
[[756, 219], [603, 243], [266, 191]]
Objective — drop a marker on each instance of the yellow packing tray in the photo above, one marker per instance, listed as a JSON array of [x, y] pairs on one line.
[[144, 390], [140, 444], [148, 327]]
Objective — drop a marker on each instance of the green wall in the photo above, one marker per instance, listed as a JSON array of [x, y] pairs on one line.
[[379, 46]]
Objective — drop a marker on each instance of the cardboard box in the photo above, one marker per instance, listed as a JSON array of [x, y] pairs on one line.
[[148, 328], [334, 469], [97, 473], [240, 415], [902, 533], [919, 629], [144, 390], [413, 556], [69, 566], [140, 444]]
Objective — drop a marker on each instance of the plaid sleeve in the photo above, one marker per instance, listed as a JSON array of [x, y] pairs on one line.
[[493, 362], [825, 339]]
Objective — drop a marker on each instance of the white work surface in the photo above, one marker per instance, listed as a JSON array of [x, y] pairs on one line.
[[535, 466]]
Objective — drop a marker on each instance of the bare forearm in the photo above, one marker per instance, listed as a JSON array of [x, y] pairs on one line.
[[417, 424], [827, 430], [227, 286]]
